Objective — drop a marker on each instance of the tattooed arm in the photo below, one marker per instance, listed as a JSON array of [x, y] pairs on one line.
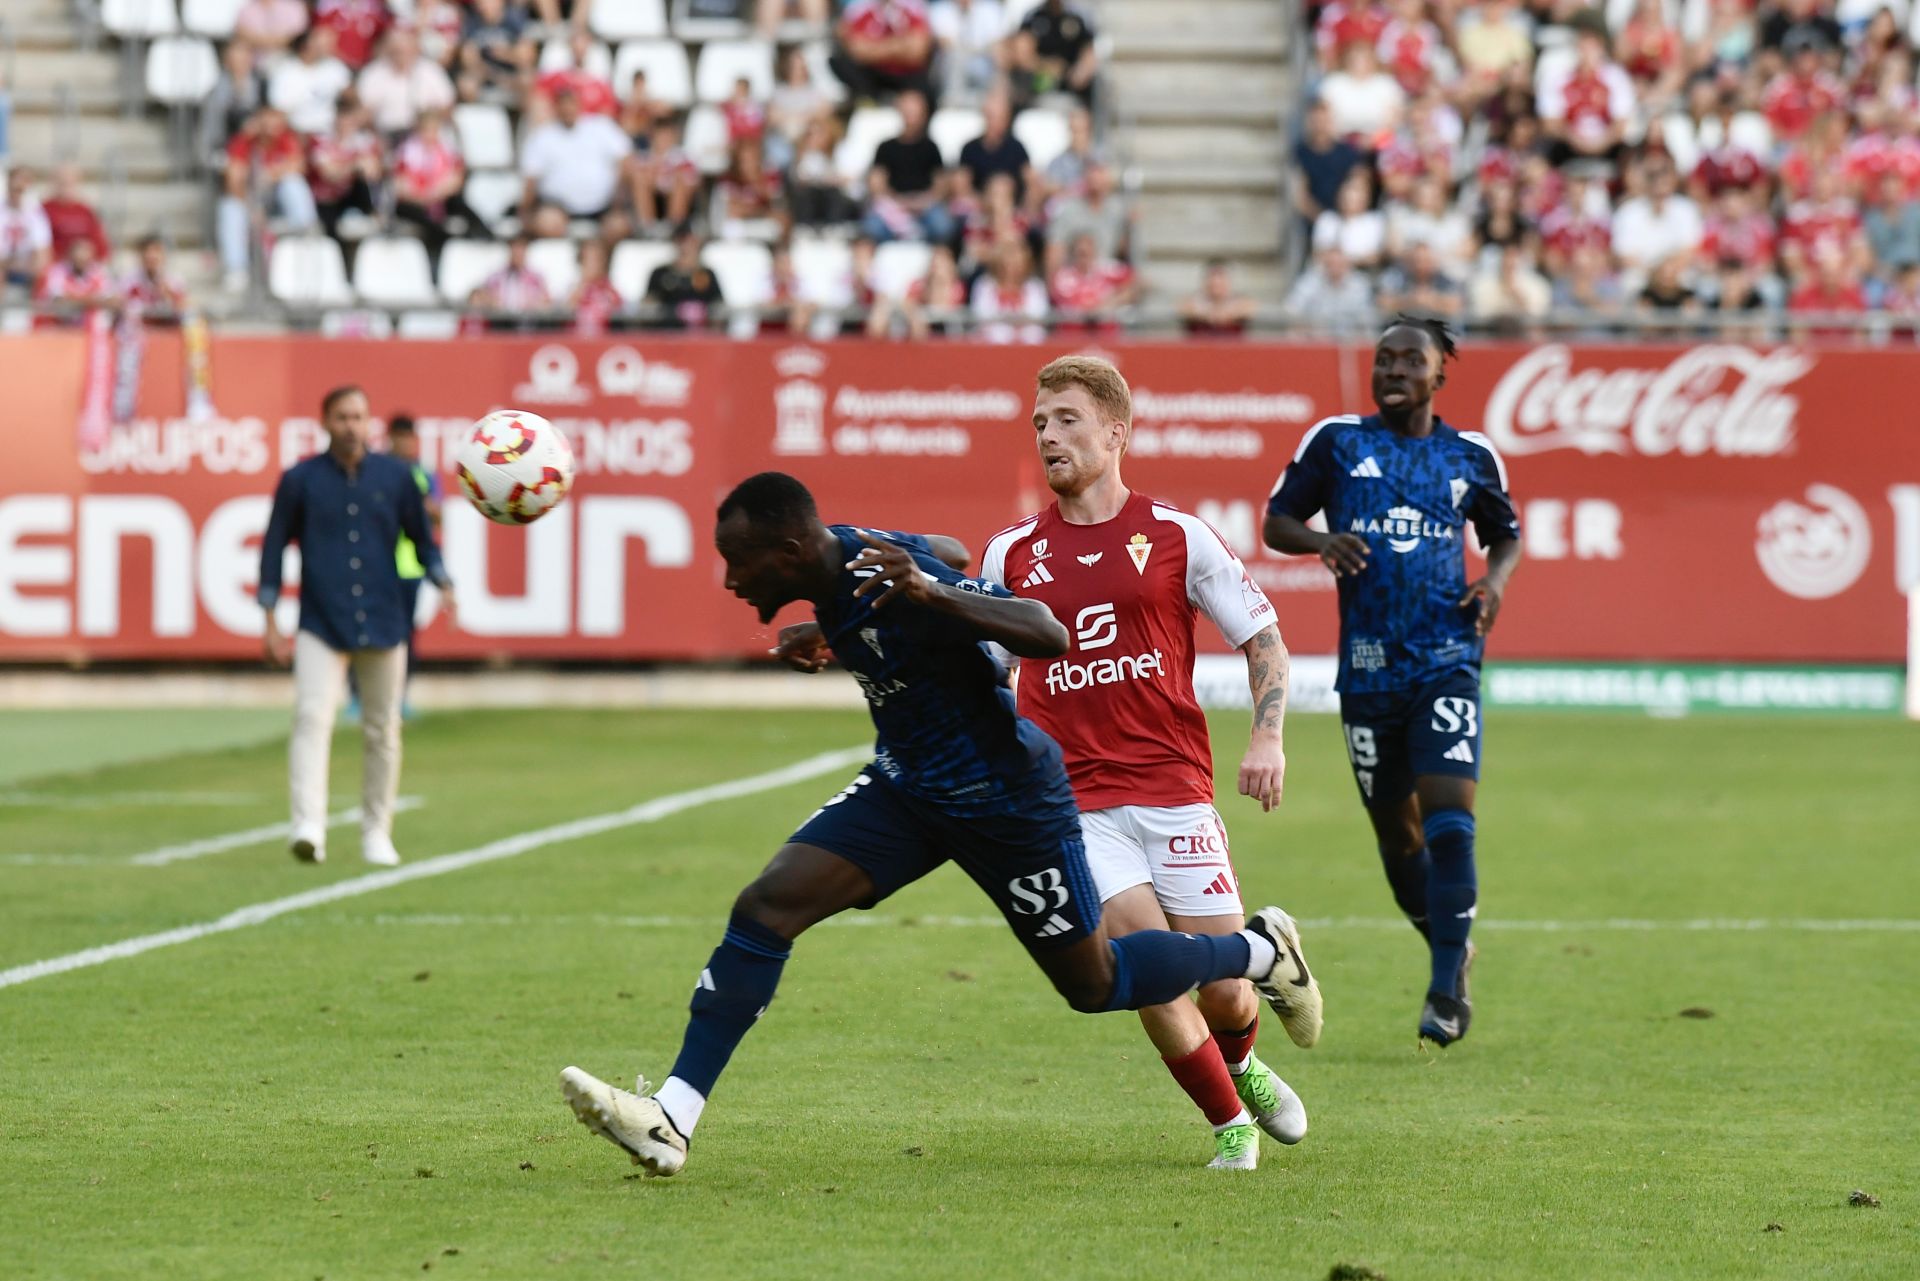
[[1263, 770]]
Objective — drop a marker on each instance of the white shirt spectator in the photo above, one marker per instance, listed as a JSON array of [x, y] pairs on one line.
[[975, 28], [24, 233], [307, 92], [576, 168], [1643, 235], [1499, 293], [999, 311], [1600, 101], [396, 97], [1448, 234], [1361, 238], [1363, 105]]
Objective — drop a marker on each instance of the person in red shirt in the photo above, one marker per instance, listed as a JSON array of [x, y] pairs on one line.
[[595, 95], [1346, 22], [884, 46], [77, 283], [1409, 46], [594, 301], [1736, 231], [357, 27], [267, 174], [664, 179], [71, 218], [428, 175], [1128, 575], [1832, 289], [1091, 288], [1649, 52], [1827, 217], [1218, 310], [746, 119], [155, 292], [1587, 112], [1803, 91], [345, 165]]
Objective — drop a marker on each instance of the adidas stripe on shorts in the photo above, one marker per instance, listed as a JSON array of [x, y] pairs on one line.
[[1181, 850]]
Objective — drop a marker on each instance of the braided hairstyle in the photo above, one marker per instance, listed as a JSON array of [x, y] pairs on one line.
[[1438, 330]]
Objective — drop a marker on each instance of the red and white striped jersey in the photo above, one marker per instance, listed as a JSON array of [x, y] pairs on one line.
[[1120, 702]]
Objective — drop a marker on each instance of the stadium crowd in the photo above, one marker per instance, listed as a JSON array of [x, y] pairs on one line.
[[1659, 160], [354, 119]]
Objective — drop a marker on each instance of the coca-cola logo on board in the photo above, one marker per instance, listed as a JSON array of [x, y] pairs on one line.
[[1721, 398]]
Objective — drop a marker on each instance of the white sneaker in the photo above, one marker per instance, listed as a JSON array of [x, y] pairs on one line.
[[377, 848], [1289, 986], [633, 1122], [308, 843]]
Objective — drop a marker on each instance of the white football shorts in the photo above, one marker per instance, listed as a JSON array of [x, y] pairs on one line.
[[1180, 850]]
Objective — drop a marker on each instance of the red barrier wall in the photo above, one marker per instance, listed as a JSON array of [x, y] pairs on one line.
[[1712, 502]]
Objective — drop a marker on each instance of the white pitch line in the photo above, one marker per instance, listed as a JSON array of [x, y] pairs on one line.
[[508, 847], [1612, 925], [114, 800], [252, 836]]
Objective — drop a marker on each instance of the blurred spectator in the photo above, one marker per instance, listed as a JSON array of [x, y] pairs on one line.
[[1736, 291], [357, 28], [815, 197], [796, 103], [266, 27], [308, 86], [77, 282], [996, 150], [665, 180], [746, 119], [555, 14], [1736, 231], [1667, 290], [1581, 219], [1090, 288], [786, 310], [1650, 55], [1509, 290], [938, 300], [428, 175], [1053, 52], [1492, 39], [26, 240], [70, 217], [1067, 172], [1893, 226], [907, 186], [968, 33], [1730, 39], [1658, 225], [595, 94], [1324, 159], [1356, 230], [1365, 103], [1428, 219], [1501, 224], [239, 92], [1903, 299], [749, 201], [440, 25], [594, 302], [1806, 18], [1413, 51], [150, 288], [266, 171], [1347, 22], [1218, 309], [993, 218], [515, 289], [496, 53], [1420, 284], [769, 14], [1587, 108], [1832, 289], [1009, 303], [883, 47], [574, 162], [1101, 213], [685, 287], [1805, 90], [1588, 283], [1331, 294], [817, 301], [346, 166], [400, 84], [1828, 216], [637, 116]]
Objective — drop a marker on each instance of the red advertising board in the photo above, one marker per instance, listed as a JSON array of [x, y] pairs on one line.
[[1714, 502]]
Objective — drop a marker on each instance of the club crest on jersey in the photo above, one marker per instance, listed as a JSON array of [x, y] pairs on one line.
[[1458, 489], [871, 635], [1404, 527], [1139, 548], [1090, 561]]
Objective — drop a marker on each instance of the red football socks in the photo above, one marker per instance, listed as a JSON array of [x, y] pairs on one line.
[[1236, 1046], [1203, 1075]]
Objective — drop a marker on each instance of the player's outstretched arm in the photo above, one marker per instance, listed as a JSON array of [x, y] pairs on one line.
[[988, 612], [1344, 554], [1503, 558], [1263, 771], [951, 550]]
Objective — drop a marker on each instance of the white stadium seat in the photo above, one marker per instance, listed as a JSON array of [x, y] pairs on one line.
[[628, 19], [744, 269], [724, 61], [494, 195], [705, 139], [181, 69], [952, 128], [486, 135], [212, 18], [866, 130], [308, 271], [897, 264], [820, 72], [1045, 134], [558, 263], [557, 55], [465, 266], [728, 23], [1751, 130], [394, 272], [669, 78], [139, 19], [439, 325], [822, 271], [633, 265]]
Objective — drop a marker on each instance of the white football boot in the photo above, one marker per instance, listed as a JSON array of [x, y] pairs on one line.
[[1289, 986], [308, 843], [633, 1122]]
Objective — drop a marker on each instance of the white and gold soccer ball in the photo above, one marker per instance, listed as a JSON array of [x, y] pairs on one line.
[[514, 466]]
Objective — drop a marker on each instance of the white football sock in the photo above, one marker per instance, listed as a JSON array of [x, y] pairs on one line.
[[1241, 1068], [683, 1104], [1244, 1118], [1260, 955]]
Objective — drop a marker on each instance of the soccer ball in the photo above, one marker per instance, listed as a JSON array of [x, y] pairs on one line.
[[515, 467]]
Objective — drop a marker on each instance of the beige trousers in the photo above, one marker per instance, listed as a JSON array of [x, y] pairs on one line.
[[319, 676]]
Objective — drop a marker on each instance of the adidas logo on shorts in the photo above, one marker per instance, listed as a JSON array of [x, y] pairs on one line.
[[1222, 884], [1056, 925], [1461, 751]]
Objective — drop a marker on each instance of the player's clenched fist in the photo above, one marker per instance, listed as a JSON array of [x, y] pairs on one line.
[[1263, 773], [1344, 554], [803, 647], [889, 570]]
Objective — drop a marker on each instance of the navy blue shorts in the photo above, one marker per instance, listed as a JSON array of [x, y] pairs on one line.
[[1034, 868], [1394, 738]]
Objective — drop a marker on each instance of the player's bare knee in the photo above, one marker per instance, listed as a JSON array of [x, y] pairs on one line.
[[775, 906], [1087, 995], [1230, 1003]]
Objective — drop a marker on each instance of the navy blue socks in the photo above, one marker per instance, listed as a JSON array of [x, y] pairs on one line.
[[1407, 874], [1152, 967], [734, 991], [1452, 892]]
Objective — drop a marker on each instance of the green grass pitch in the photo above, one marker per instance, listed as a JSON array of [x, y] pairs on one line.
[[366, 1088]]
